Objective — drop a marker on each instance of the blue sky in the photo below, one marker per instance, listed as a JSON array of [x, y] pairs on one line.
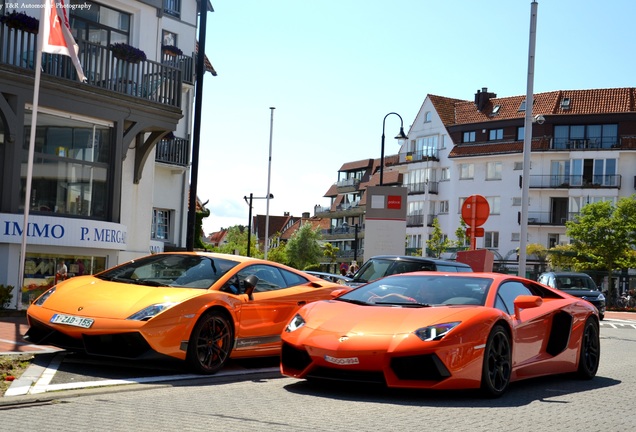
[[334, 68]]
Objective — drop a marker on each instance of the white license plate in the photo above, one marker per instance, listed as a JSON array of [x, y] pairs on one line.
[[72, 320], [342, 361]]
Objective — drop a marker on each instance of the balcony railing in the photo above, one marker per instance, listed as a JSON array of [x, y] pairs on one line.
[[419, 156], [585, 144], [561, 181], [548, 218], [418, 220], [420, 188], [173, 151], [146, 80], [349, 182]]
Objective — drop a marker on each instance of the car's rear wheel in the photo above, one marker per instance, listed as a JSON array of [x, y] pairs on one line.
[[210, 343], [590, 353], [497, 368]]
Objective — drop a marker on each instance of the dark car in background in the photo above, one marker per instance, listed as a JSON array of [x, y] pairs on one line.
[[576, 284], [385, 265]]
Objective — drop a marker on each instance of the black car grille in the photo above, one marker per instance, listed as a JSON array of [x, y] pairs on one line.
[[293, 358], [347, 375], [41, 334], [122, 345], [420, 368]]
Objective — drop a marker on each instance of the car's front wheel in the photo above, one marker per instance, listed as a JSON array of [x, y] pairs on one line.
[[210, 343], [590, 353], [497, 368]]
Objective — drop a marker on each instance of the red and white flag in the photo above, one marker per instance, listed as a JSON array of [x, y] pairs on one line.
[[57, 34]]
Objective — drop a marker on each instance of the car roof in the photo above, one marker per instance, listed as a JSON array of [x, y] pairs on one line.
[[418, 258], [567, 274]]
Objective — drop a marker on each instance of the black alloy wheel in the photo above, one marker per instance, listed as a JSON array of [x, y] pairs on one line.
[[590, 353], [497, 368], [210, 343]]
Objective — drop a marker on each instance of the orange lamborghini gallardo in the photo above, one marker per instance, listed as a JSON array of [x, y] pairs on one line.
[[444, 331], [199, 307]]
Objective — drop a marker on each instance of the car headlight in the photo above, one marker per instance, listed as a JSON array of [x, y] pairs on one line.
[[435, 332], [40, 300], [146, 313], [295, 323]]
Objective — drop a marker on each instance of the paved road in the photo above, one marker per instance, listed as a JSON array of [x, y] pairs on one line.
[[259, 402]]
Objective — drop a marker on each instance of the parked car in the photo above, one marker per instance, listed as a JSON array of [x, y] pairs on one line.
[[203, 308], [384, 265], [576, 284], [331, 277], [432, 330]]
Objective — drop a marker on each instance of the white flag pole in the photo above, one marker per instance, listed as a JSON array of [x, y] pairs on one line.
[[29, 175]]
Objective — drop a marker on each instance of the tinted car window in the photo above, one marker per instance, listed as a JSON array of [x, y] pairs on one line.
[[507, 294]]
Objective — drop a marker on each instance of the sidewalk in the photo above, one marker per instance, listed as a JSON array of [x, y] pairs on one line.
[[12, 329]]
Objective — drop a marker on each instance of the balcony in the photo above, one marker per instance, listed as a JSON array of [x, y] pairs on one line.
[[419, 156], [348, 185], [420, 188], [561, 181], [585, 144], [146, 80], [418, 220], [547, 218], [173, 151]]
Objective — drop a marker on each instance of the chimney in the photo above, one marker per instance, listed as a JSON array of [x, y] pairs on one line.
[[306, 215], [482, 97]]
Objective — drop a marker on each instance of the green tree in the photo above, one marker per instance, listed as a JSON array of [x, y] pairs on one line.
[[303, 248], [540, 252], [237, 242], [278, 253], [330, 252], [460, 233], [604, 237], [438, 242]]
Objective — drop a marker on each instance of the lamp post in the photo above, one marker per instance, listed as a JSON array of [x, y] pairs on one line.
[[401, 135], [249, 220], [269, 177]]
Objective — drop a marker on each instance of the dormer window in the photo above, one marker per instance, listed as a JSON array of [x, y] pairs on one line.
[[522, 107], [565, 103], [496, 109]]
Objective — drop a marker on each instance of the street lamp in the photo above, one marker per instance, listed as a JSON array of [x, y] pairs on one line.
[[249, 220], [400, 136]]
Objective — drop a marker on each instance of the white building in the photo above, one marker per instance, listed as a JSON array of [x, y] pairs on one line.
[[111, 170], [583, 151]]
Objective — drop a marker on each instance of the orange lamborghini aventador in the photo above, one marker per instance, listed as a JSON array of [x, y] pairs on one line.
[[200, 307], [444, 331]]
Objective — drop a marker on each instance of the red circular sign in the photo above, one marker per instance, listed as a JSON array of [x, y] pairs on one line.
[[475, 210]]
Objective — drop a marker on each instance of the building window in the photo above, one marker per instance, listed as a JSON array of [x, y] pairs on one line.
[[169, 38], [444, 207], [466, 171], [495, 205], [445, 174], [491, 239], [72, 165], [99, 24], [469, 137], [515, 237], [575, 137], [516, 201], [160, 224], [521, 133], [427, 117], [426, 147], [495, 134], [553, 240], [518, 166], [172, 8], [442, 143], [494, 170]]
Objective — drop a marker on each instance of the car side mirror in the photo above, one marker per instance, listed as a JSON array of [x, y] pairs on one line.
[[250, 283], [526, 302]]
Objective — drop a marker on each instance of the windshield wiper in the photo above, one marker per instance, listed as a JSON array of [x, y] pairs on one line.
[[352, 301], [407, 304]]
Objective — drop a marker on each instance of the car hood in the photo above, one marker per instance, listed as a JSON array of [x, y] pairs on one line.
[[591, 294], [342, 317], [103, 299]]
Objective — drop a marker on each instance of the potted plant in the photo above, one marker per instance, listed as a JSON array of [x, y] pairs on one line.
[[171, 50], [6, 294], [21, 21], [126, 52]]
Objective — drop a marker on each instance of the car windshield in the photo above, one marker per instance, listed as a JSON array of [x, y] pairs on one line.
[[377, 268], [574, 283], [171, 270], [414, 290]]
